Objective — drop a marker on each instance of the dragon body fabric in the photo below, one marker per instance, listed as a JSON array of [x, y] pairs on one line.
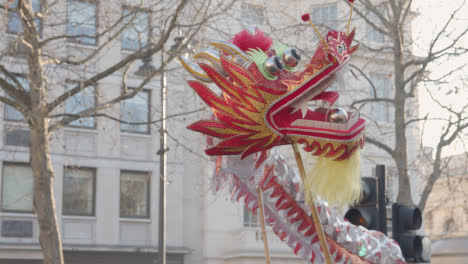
[[290, 219], [265, 102]]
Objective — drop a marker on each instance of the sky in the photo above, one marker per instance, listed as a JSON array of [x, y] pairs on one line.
[[431, 17]]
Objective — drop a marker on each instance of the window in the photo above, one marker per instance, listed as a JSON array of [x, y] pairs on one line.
[[16, 136], [11, 114], [14, 21], [253, 15], [136, 110], [81, 21], [380, 111], [17, 188], [450, 225], [134, 194], [325, 17], [81, 101], [372, 33], [79, 191], [250, 220], [135, 35]]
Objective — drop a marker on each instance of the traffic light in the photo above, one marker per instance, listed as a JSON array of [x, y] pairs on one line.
[[405, 221], [365, 212], [370, 211]]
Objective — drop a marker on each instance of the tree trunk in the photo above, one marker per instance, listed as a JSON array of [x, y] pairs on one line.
[[39, 153], [44, 202], [436, 172], [401, 155]]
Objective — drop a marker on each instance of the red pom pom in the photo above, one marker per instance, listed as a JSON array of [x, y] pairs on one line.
[[245, 41], [305, 17], [351, 1]]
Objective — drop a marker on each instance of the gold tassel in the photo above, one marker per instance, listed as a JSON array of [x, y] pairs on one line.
[[338, 182]]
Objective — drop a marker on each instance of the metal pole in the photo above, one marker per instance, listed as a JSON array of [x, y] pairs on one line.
[[162, 169], [381, 199]]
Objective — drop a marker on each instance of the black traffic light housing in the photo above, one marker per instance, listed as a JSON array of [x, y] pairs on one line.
[[365, 212], [370, 212], [405, 220]]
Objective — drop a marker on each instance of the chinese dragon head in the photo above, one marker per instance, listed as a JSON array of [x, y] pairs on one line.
[[265, 99]]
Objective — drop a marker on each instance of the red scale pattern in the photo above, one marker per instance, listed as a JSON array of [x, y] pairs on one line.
[[286, 202]]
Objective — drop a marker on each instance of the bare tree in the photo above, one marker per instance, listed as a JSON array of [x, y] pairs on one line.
[[385, 37], [391, 19], [43, 28], [455, 122]]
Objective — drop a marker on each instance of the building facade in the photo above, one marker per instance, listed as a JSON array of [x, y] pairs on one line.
[[447, 206], [446, 213], [107, 173]]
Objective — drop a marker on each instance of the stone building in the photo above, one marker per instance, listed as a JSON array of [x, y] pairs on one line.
[[446, 211]]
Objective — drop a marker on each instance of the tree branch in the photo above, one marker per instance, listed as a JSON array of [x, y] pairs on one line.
[[13, 104], [375, 98], [100, 48], [17, 95], [408, 122], [381, 145], [95, 109], [451, 132], [431, 56], [406, 12], [11, 76], [77, 116], [369, 6], [137, 55]]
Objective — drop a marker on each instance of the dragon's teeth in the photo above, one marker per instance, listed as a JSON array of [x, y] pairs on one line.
[[304, 108], [303, 102], [301, 105]]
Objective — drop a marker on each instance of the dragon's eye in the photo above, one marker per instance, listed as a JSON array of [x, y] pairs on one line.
[[291, 58], [273, 66], [341, 48]]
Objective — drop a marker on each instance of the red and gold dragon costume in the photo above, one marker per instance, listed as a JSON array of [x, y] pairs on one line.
[[258, 111], [264, 103]]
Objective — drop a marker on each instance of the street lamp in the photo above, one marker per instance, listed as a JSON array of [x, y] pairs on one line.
[[145, 70], [182, 45], [162, 167]]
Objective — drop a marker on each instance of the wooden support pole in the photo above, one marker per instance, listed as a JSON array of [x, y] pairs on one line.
[[313, 209], [262, 221], [350, 15]]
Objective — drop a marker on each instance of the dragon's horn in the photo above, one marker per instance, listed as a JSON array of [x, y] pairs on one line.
[[241, 57], [195, 70], [212, 56]]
